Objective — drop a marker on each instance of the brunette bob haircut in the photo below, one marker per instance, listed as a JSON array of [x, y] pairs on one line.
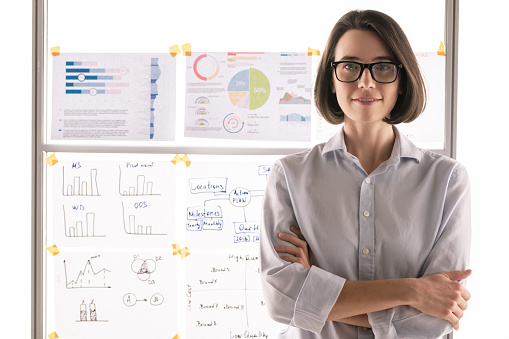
[[412, 100]]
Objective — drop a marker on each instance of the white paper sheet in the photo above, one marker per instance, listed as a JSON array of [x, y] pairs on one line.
[[224, 298], [250, 96], [224, 203], [113, 97], [115, 295], [114, 204]]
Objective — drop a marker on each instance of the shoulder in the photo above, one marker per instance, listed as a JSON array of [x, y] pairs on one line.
[[442, 163], [301, 160]]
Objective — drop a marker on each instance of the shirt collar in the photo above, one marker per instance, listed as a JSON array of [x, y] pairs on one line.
[[403, 148]]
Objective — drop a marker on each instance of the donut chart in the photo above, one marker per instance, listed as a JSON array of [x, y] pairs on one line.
[[206, 67], [249, 89]]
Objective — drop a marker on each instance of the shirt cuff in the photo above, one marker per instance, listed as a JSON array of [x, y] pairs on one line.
[[381, 324], [316, 299]]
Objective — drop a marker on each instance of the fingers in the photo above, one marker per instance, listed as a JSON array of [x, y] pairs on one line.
[[297, 232], [295, 251], [458, 275], [292, 239], [465, 294]]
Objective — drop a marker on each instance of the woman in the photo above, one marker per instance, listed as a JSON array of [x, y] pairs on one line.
[[387, 224]]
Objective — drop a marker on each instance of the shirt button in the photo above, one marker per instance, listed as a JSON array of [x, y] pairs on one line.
[[365, 328], [350, 156], [366, 213], [365, 251], [367, 181]]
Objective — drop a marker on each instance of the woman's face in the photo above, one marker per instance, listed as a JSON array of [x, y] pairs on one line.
[[364, 101]]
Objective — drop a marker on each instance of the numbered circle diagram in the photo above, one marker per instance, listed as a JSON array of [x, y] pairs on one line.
[[232, 123], [249, 89], [240, 197], [205, 67]]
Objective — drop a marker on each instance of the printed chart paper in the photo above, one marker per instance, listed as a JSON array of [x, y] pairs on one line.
[[249, 96], [113, 97]]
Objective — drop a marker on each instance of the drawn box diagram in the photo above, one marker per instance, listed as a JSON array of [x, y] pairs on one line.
[[225, 209]]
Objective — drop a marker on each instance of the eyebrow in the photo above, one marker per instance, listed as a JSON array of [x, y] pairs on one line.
[[378, 58]]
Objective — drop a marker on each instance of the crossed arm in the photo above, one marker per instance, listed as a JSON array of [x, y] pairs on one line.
[[439, 295]]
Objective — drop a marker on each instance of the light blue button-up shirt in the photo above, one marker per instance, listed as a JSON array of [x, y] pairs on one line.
[[408, 218]]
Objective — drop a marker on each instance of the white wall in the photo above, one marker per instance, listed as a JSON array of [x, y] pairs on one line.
[[483, 123], [15, 172]]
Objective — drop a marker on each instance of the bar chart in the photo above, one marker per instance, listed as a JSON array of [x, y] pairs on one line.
[[133, 226], [82, 226], [80, 186], [135, 186]]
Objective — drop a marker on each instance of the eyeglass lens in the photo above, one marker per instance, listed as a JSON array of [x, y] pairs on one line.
[[381, 72]]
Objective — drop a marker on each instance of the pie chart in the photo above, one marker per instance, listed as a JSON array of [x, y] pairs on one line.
[[205, 67], [249, 89]]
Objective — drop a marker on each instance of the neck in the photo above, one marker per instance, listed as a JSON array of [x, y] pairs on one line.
[[371, 143]]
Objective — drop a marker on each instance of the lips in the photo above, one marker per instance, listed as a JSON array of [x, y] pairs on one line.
[[366, 100]]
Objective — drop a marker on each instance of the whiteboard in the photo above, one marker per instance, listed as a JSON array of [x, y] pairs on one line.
[[163, 245]]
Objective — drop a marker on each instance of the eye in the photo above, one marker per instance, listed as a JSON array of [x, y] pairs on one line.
[[350, 66], [383, 67]]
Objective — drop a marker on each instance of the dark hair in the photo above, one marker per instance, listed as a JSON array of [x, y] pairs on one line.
[[409, 104]]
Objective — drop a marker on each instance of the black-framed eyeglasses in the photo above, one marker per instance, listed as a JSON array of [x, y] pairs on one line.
[[351, 71]]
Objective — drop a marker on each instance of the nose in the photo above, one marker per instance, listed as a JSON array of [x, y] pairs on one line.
[[366, 80]]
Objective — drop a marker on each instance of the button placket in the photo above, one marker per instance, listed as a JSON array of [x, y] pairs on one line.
[[366, 230]]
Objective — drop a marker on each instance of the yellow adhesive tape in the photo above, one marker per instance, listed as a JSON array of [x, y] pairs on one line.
[[186, 49], [54, 251], [51, 160], [55, 50], [313, 51], [186, 160], [174, 50], [441, 49]]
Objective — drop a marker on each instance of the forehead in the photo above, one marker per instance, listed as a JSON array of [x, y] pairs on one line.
[[363, 46]]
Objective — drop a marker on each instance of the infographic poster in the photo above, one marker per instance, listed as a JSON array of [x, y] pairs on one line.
[[249, 96], [113, 97]]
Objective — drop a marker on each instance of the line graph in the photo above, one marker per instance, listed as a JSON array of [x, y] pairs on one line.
[[88, 278]]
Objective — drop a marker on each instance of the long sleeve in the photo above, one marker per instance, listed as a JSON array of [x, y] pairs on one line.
[[294, 295], [450, 252]]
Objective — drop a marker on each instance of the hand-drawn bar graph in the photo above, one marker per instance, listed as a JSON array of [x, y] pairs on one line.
[[79, 186], [141, 187], [131, 226], [92, 311], [82, 228]]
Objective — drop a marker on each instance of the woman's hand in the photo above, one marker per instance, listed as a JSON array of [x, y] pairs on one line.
[[299, 251], [441, 295]]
